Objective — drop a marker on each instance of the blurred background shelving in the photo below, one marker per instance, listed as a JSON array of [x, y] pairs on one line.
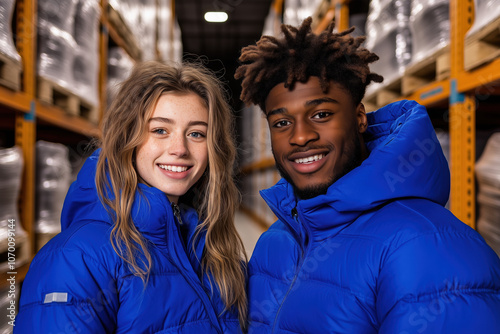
[[60, 62]]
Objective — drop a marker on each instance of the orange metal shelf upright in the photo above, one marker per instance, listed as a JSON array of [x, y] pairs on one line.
[[462, 119], [25, 122]]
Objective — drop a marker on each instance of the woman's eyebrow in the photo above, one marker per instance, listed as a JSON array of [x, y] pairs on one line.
[[171, 121], [161, 119]]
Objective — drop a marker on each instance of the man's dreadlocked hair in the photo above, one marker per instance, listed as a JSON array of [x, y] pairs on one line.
[[301, 54]]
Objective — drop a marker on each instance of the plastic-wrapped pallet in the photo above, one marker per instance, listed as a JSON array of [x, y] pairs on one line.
[[488, 176], [6, 41], [430, 27], [165, 29], [53, 180], [388, 35], [145, 31], [485, 11], [68, 45], [85, 65], [177, 43], [119, 67], [11, 168], [56, 45], [60, 13], [296, 11]]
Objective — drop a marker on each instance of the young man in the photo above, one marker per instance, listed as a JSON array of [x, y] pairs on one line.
[[363, 243]]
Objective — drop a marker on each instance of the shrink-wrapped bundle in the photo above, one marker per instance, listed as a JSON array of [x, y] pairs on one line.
[[6, 39], [388, 35], [430, 27], [177, 43], [165, 29], [488, 176], [86, 56], [485, 11], [53, 180], [86, 27], [60, 13], [56, 50], [56, 45], [145, 30], [296, 11], [11, 168], [119, 67], [86, 74]]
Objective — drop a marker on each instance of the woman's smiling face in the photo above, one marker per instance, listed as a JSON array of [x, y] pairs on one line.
[[174, 155]]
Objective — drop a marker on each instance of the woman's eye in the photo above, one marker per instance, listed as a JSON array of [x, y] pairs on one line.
[[197, 135], [281, 124], [322, 114], [159, 131]]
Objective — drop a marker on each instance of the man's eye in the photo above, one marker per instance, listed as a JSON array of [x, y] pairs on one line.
[[281, 124], [322, 114]]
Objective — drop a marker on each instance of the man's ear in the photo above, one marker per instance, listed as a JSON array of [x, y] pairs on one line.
[[361, 118]]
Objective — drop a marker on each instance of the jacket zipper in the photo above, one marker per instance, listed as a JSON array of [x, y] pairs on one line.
[[295, 216], [195, 284]]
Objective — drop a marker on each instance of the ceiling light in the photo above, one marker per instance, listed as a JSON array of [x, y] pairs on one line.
[[215, 16]]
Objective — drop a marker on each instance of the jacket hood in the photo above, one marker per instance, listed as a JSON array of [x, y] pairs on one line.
[[151, 211], [406, 160]]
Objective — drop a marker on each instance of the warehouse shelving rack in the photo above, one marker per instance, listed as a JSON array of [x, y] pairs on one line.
[[458, 92], [28, 112]]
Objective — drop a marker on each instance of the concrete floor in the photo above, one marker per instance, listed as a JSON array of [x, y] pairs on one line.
[[249, 231]]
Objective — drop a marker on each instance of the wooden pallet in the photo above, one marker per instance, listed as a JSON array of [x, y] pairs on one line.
[[10, 73], [116, 20], [22, 253], [435, 67], [53, 94], [386, 94], [483, 46]]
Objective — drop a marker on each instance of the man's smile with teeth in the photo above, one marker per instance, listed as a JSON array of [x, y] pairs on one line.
[[309, 159], [172, 168]]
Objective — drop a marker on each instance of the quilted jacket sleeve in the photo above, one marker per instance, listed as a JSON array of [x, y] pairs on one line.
[[67, 291], [440, 283]]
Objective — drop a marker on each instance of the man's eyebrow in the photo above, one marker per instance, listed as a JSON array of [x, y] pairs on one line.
[[275, 112], [319, 101]]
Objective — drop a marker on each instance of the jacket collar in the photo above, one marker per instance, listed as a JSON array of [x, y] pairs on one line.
[[406, 160]]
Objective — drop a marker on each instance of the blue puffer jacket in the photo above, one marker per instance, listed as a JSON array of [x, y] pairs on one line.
[[78, 284], [378, 253]]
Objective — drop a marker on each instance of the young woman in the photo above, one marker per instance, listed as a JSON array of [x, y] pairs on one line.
[[148, 242]]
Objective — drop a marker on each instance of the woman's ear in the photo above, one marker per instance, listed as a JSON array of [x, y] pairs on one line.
[[361, 118]]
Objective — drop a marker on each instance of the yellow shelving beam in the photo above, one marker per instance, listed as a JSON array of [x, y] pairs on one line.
[[462, 119]]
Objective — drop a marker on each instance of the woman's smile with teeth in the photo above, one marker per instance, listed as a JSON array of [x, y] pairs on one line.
[[309, 159], [172, 168]]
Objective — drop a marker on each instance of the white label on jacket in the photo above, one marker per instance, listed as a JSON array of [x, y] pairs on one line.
[[56, 297]]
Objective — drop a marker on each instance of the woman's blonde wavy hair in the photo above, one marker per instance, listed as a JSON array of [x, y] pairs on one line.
[[215, 195]]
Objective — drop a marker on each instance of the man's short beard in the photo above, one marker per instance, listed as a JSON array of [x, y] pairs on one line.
[[354, 160]]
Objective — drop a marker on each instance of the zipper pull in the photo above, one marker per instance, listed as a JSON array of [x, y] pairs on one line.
[[295, 214], [177, 212]]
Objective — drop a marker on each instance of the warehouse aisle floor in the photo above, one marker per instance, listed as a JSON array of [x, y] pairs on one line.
[[249, 231]]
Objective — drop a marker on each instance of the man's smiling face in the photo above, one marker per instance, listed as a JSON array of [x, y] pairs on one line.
[[316, 137]]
